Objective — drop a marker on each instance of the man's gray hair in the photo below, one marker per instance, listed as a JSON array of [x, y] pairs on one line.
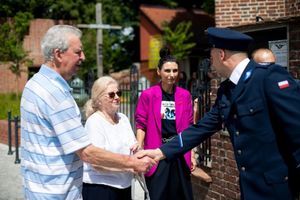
[[57, 38]]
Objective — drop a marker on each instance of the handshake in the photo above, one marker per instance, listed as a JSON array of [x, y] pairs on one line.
[[143, 160], [140, 161]]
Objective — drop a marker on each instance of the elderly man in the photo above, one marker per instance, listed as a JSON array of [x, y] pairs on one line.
[[53, 140], [259, 106]]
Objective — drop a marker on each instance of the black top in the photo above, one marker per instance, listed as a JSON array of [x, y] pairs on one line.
[[168, 122]]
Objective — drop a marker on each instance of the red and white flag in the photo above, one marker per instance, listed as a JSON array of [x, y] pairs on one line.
[[283, 84]]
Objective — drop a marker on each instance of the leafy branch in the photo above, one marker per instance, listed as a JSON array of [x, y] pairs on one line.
[[178, 39], [12, 33]]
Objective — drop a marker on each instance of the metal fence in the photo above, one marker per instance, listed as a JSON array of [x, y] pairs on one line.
[[202, 91], [13, 121], [131, 92]]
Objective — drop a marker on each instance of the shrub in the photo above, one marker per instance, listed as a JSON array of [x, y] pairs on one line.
[[9, 102]]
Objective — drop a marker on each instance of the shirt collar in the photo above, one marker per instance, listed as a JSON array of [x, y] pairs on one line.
[[238, 71], [52, 74]]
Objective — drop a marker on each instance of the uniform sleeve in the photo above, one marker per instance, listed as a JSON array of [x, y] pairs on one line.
[[283, 96], [193, 135], [142, 110]]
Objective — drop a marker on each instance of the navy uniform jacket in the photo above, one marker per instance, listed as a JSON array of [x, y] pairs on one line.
[[262, 116]]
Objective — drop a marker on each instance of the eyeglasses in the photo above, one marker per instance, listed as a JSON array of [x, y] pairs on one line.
[[113, 94]]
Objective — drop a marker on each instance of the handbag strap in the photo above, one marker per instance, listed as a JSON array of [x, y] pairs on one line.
[[141, 179]]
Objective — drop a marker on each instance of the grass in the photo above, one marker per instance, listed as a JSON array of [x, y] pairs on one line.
[[9, 102]]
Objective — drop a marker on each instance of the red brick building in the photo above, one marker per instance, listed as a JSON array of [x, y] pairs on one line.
[[151, 29], [37, 29], [268, 22], [8, 82]]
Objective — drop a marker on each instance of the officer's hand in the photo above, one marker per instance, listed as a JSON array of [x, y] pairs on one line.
[[155, 154], [143, 164]]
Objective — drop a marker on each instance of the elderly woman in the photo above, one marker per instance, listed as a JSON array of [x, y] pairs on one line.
[[112, 131]]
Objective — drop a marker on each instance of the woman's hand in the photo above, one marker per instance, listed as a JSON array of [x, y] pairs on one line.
[[135, 148], [196, 110], [193, 161]]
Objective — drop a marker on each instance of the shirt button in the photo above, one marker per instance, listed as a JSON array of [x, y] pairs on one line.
[[234, 116], [286, 178], [237, 133], [251, 110], [243, 168], [239, 152]]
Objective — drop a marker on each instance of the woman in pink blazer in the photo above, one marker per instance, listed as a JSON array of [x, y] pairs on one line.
[[163, 111]]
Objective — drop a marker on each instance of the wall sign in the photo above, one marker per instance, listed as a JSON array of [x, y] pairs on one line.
[[280, 49]]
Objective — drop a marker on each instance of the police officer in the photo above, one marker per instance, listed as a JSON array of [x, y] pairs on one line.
[[260, 107]]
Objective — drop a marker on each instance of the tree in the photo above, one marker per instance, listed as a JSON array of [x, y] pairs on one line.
[[206, 5], [178, 39], [12, 33], [119, 49]]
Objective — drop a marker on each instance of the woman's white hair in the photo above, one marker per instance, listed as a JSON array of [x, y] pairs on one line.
[[99, 87], [57, 37]]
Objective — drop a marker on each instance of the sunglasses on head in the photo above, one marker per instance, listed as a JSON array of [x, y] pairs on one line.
[[113, 94]]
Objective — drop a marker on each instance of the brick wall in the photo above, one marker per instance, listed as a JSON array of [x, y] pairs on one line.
[[292, 7], [223, 171], [239, 12], [38, 28], [8, 83], [294, 48]]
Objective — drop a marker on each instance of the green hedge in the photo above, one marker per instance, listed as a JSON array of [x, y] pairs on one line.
[[9, 102]]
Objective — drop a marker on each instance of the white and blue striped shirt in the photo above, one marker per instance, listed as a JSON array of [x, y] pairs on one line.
[[51, 133]]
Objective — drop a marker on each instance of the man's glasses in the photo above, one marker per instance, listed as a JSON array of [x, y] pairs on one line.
[[113, 94]]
